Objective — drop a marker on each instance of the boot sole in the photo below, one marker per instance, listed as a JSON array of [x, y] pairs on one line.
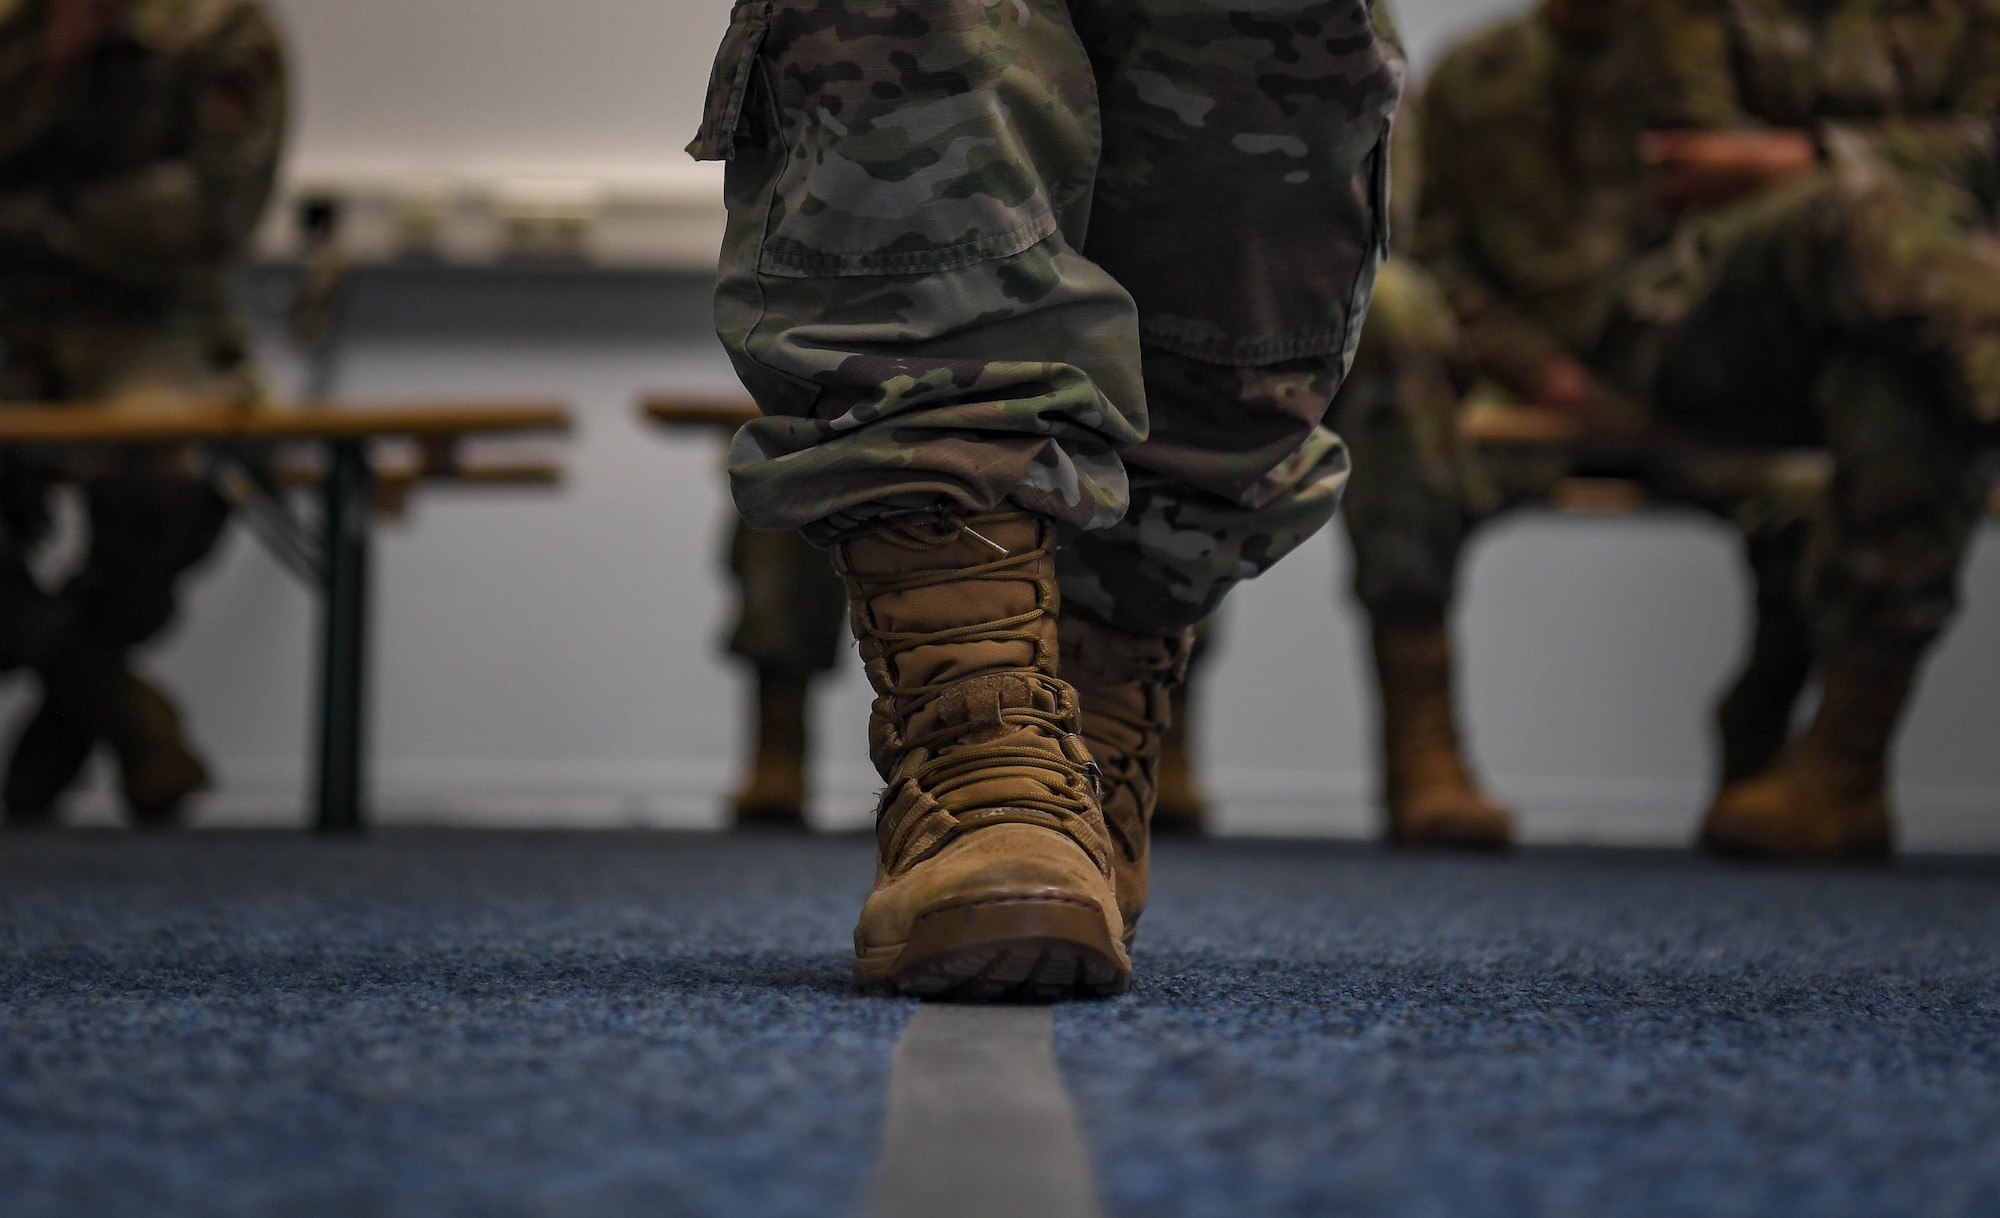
[[1867, 849], [166, 808], [1002, 951]]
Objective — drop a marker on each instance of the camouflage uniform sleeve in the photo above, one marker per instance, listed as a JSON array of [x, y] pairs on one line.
[[1686, 65], [154, 227], [1502, 341], [1689, 67]]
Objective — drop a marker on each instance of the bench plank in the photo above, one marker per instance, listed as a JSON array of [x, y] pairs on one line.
[[695, 410], [167, 422]]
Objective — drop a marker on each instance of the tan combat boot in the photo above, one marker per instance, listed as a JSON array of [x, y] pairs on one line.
[[773, 796], [1429, 793], [1828, 797], [1126, 684], [1181, 808], [994, 873], [158, 768]]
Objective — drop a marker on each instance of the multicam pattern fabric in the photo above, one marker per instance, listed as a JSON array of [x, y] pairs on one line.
[[1785, 344], [1077, 257]]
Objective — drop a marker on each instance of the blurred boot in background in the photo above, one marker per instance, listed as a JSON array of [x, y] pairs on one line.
[[1125, 684], [1182, 806]]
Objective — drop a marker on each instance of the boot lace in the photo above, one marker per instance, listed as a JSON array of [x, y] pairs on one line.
[[1134, 769], [931, 800]]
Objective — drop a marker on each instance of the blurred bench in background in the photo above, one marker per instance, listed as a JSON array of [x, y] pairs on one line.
[[1541, 431], [360, 460]]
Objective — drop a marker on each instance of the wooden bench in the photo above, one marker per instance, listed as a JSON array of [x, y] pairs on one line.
[[1516, 429], [361, 459], [727, 412]]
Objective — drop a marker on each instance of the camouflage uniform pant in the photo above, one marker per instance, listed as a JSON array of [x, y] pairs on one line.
[[792, 609], [1103, 260], [151, 517], [1856, 312]]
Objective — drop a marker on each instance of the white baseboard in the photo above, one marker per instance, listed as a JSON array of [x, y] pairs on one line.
[[1570, 811], [1249, 802]]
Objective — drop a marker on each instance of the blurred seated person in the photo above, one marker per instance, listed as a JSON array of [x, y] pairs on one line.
[[1533, 211], [138, 142]]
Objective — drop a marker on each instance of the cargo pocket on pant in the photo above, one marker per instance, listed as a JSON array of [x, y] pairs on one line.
[[922, 136], [729, 82]]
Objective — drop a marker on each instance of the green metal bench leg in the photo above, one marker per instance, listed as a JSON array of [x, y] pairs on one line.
[[349, 513]]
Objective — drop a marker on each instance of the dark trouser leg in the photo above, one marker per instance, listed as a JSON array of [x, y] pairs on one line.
[[1408, 512], [1755, 717], [1181, 806], [30, 620], [46, 760], [773, 790], [148, 527], [791, 619], [51, 748], [1883, 565]]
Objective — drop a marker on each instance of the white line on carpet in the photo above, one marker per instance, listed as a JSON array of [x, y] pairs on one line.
[[979, 1124]]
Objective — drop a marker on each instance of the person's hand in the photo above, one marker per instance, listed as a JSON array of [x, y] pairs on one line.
[[1564, 384], [1696, 169], [1567, 385]]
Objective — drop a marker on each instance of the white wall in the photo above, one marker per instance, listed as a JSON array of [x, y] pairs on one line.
[[526, 86], [510, 86], [550, 656]]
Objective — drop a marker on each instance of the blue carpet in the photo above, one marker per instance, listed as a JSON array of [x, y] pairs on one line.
[[1326, 1030], [499, 1024], [435, 1024]]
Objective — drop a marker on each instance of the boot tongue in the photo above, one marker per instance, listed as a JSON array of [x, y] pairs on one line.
[[980, 701], [1026, 761], [977, 705]]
